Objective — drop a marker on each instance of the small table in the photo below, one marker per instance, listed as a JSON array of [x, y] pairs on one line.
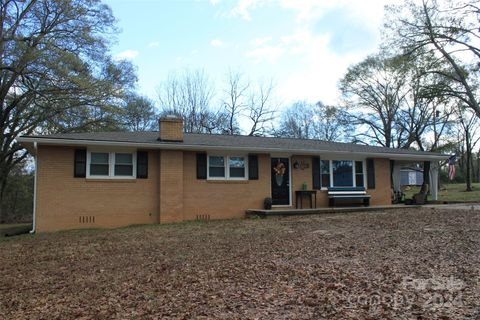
[[302, 193]]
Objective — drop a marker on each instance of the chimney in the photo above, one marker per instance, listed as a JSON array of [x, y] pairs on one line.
[[171, 128]]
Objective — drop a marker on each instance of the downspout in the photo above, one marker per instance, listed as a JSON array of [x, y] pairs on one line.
[[34, 189]]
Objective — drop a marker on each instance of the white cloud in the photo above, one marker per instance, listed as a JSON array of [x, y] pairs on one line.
[[243, 8], [261, 41], [266, 53], [319, 65], [127, 55], [216, 43], [153, 44], [214, 2], [320, 69]]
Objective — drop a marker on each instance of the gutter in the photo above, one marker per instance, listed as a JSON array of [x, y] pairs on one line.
[[34, 189], [186, 147]]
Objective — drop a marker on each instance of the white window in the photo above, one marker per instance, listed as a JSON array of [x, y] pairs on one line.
[[342, 173], [227, 167], [99, 164], [236, 167], [123, 164], [216, 167], [111, 165]]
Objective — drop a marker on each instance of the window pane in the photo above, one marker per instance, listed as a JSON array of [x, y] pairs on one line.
[[217, 172], [99, 169], [123, 158], [358, 167], [216, 161], [97, 157], [237, 162], [324, 167], [359, 180], [342, 173], [123, 170], [237, 172]]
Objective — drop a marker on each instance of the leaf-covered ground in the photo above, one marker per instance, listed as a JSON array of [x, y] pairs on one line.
[[410, 263]]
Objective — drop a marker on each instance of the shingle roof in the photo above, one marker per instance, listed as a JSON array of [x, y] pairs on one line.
[[230, 141]]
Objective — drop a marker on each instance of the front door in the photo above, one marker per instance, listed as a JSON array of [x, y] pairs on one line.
[[280, 181]]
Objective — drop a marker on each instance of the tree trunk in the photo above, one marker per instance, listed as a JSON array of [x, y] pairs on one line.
[[468, 178], [1, 204], [478, 167]]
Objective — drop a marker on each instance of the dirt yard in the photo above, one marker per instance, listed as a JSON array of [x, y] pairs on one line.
[[409, 263]]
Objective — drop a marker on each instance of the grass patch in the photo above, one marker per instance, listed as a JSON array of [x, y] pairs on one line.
[[14, 229], [450, 192], [14, 225]]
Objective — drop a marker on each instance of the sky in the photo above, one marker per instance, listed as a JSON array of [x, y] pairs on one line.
[[304, 46]]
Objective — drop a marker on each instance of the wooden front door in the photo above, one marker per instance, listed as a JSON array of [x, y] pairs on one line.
[[280, 168]]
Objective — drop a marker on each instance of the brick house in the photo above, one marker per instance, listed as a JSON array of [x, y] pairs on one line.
[[113, 179]]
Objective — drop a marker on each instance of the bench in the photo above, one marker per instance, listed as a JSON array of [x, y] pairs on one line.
[[347, 194]]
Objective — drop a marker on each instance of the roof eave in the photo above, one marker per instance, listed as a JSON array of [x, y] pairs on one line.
[[26, 141]]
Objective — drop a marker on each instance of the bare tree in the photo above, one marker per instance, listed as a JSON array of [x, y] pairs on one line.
[[189, 95], [235, 101], [303, 120], [296, 122], [447, 31], [469, 126], [375, 90], [138, 114], [330, 122], [261, 109]]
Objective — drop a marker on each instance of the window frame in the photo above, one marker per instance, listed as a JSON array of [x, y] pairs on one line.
[[354, 173], [111, 164], [89, 163], [226, 166], [361, 173]]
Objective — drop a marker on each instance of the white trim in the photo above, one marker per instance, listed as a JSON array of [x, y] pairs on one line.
[[354, 173], [111, 164], [186, 147], [346, 192], [226, 167], [34, 223]]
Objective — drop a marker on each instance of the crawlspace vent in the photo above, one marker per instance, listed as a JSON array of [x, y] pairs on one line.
[[86, 219], [204, 217]]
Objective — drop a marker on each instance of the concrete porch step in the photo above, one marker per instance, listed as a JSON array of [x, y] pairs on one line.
[[292, 212]]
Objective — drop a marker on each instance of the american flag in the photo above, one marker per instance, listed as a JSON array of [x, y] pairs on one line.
[[451, 167]]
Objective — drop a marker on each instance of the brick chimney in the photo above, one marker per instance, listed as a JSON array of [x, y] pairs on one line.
[[171, 128]]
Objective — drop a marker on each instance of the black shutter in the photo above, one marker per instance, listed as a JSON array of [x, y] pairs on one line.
[[80, 163], [370, 174], [316, 173], [253, 167], [142, 164], [201, 166]]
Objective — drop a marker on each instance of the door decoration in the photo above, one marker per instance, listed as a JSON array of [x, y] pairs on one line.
[[279, 169]]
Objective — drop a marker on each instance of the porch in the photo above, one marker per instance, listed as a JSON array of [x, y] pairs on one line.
[[292, 212], [429, 171]]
